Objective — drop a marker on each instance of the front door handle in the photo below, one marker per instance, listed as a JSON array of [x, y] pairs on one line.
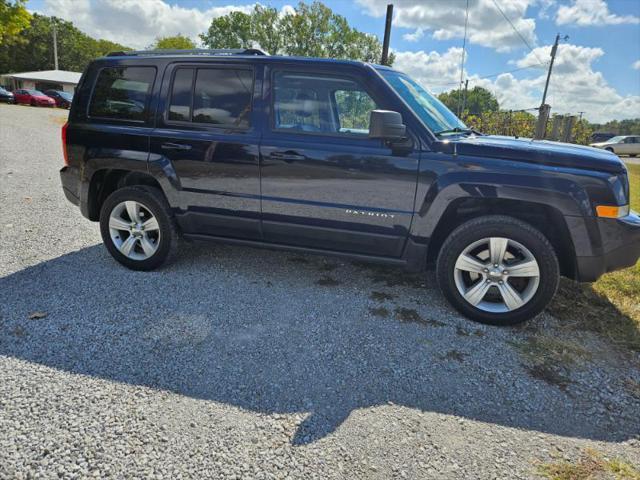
[[288, 156], [175, 146]]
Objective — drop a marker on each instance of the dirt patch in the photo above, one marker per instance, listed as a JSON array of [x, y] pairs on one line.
[[409, 315], [327, 267], [456, 355], [301, 260], [328, 281], [380, 312], [392, 277], [381, 296]]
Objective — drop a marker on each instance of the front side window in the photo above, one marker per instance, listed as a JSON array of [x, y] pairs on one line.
[[321, 104], [122, 93]]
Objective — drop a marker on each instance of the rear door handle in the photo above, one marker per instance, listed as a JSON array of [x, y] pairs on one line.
[[175, 146], [288, 156]]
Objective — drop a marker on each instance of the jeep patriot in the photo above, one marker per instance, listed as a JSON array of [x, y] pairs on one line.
[[343, 158]]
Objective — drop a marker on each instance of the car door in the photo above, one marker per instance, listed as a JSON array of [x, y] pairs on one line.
[[634, 147], [205, 134], [624, 146], [325, 184], [21, 96]]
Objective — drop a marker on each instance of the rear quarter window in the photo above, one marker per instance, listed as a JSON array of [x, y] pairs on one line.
[[122, 93]]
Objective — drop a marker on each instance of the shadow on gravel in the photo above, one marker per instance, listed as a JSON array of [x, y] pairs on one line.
[[250, 328]]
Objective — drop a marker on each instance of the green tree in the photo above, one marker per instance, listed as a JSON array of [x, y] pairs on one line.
[[479, 100], [178, 42], [34, 48], [14, 18], [312, 31]]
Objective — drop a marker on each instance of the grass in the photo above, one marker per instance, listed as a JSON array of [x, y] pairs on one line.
[[611, 306], [591, 465]]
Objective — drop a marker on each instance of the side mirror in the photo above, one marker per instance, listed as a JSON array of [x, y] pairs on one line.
[[387, 125]]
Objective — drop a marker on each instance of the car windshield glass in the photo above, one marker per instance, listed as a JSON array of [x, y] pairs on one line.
[[34, 92], [431, 111], [616, 139], [66, 96]]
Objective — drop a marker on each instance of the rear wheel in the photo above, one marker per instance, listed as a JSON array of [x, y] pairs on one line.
[[498, 270], [137, 227], [609, 149]]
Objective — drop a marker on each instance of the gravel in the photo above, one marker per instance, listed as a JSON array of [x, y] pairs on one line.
[[245, 363]]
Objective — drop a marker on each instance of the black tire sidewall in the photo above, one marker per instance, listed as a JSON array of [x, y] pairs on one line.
[[505, 227], [152, 201]]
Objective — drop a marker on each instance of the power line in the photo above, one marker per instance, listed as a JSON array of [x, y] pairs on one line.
[[495, 2], [464, 46], [544, 64]]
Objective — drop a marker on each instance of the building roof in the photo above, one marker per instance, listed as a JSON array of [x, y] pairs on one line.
[[60, 76]]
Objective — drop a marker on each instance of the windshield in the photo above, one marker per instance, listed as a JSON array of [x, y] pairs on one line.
[[431, 111], [66, 95], [615, 139], [34, 92]]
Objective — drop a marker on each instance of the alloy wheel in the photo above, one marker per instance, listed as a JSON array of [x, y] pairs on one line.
[[134, 230], [497, 275]]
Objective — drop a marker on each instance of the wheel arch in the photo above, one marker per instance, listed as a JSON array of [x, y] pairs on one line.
[[105, 181], [545, 218]]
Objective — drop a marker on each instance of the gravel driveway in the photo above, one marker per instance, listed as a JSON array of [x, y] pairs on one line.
[[245, 363]]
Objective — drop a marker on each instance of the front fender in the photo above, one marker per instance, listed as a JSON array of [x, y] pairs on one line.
[[444, 182]]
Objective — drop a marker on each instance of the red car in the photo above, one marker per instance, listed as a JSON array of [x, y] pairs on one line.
[[33, 98]]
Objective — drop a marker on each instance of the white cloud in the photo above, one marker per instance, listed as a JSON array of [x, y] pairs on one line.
[[436, 71], [136, 23], [591, 12], [575, 86], [445, 18], [636, 65], [415, 36]]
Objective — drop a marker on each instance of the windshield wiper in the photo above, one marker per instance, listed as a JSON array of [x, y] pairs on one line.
[[456, 130]]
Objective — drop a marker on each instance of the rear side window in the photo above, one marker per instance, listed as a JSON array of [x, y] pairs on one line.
[[122, 93], [180, 108], [219, 96]]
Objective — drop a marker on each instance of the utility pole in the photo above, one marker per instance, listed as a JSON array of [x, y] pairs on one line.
[[554, 50], [543, 112], [55, 46], [464, 98], [387, 35]]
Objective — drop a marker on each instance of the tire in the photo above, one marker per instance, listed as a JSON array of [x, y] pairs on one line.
[[609, 149], [524, 244], [633, 155], [33, 103], [162, 241]]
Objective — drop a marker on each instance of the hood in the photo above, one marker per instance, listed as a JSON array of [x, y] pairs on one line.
[[536, 151]]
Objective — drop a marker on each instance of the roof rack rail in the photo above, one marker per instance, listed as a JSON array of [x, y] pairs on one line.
[[196, 51]]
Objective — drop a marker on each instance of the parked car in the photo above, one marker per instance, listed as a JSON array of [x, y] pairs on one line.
[[33, 97], [601, 137], [621, 145], [62, 99], [342, 158], [6, 96]]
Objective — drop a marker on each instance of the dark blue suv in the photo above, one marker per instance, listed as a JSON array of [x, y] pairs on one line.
[[343, 158]]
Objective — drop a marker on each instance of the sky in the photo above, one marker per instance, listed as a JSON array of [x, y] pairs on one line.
[[508, 42]]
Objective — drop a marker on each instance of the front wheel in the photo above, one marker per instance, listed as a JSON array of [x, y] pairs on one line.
[[137, 227], [498, 270]]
